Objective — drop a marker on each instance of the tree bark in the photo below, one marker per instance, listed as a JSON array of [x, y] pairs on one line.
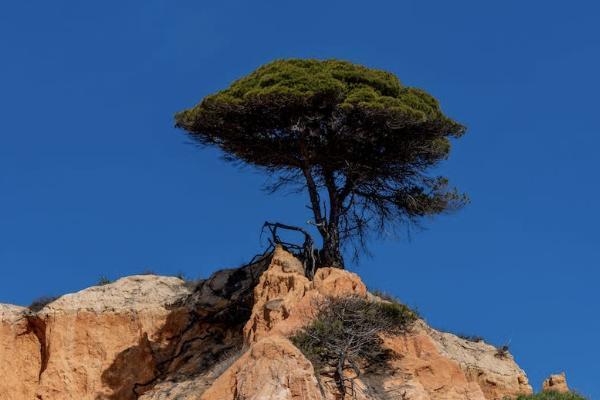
[[331, 254]]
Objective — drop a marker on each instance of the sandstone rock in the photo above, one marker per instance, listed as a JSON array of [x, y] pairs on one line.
[[430, 364], [556, 383], [85, 332], [285, 299], [203, 334], [276, 297], [338, 282], [497, 376], [156, 338], [421, 371], [20, 359], [271, 369]]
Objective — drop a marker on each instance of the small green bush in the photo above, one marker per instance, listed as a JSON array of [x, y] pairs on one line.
[[552, 396], [346, 334]]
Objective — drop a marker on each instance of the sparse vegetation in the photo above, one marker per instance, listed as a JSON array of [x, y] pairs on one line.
[[103, 280], [470, 338], [346, 335], [390, 298], [148, 271], [502, 351], [552, 396], [39, 303], [384, 295]]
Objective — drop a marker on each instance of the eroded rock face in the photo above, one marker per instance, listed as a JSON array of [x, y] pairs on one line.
[[556, 383], [429, 364], [285, 299], [61, 351], [20, 359], [156, 338], [271, 369], [495, 372], [124, 340]]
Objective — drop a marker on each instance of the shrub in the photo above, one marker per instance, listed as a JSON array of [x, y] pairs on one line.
[[384, 295], [39, 303], [103, 280], [346, 333], [390, 298]]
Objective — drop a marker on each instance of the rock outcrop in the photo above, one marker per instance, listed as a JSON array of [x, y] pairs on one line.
[[430, 364], [73, 341], [271, 369], [158, 338], [556, 383]]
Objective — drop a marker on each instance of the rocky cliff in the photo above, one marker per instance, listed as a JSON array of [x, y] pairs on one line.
[[158, 338]]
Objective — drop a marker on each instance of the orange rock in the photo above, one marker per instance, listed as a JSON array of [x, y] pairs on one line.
[[20, 359], [421, 365], [430, 365], [498, 377], [72, 341], [272, 369], [153, 338], [556, 383], [285, 299]]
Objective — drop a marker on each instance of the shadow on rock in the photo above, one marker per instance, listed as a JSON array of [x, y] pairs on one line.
[[199, 332]]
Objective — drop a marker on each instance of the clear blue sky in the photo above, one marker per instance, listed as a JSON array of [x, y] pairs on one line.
[[94, 179]]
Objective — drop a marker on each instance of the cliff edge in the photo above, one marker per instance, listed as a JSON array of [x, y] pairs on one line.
[[157, 338]]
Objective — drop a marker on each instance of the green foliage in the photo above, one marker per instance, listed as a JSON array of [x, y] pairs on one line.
[[384, 295], [393, 310], [267, 105], [400, 315], [351, 327], [302, 85], [552, 396]]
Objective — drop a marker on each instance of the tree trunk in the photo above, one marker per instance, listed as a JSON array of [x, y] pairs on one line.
[[331, 254]]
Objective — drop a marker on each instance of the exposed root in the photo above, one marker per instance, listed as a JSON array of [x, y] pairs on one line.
[[305, 252]]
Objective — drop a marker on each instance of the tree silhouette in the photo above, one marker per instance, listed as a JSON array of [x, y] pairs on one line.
[[355, 138]]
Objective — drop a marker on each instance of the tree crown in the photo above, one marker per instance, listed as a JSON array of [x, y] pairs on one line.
[[278, 100]]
